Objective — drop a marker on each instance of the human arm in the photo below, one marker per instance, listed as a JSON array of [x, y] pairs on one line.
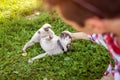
[[77, 35]]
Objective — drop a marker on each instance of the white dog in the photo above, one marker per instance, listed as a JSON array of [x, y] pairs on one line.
[[49, 42]]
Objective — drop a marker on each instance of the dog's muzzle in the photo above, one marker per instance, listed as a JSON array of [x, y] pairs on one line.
[[68, 47]]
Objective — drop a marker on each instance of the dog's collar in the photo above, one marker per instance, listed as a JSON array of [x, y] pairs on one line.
[[60, 45]]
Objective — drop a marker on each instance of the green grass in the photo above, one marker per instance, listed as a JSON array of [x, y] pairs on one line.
[[86, 60]]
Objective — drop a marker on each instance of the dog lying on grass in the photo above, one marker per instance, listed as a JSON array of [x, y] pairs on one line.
[[50, 43]]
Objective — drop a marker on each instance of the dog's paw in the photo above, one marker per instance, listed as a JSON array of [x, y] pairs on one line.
[[24, 54], [30, 61]]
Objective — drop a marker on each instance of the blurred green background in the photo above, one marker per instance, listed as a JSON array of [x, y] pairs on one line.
[[19, 20]]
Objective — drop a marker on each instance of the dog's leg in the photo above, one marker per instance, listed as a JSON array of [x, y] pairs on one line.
[[37, 57], [34, 39], [30, 43]]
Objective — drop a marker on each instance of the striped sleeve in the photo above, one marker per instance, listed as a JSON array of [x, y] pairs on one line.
[[98, 38]]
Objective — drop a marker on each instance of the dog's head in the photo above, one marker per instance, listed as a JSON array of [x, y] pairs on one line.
[[45, 31], [66, 39]]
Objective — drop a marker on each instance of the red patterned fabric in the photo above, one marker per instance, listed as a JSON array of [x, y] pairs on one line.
[[107, 40], [111, 42]]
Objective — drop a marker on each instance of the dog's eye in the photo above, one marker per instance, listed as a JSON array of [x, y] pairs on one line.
[[38, 32], [62, 35], [68, 36]]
